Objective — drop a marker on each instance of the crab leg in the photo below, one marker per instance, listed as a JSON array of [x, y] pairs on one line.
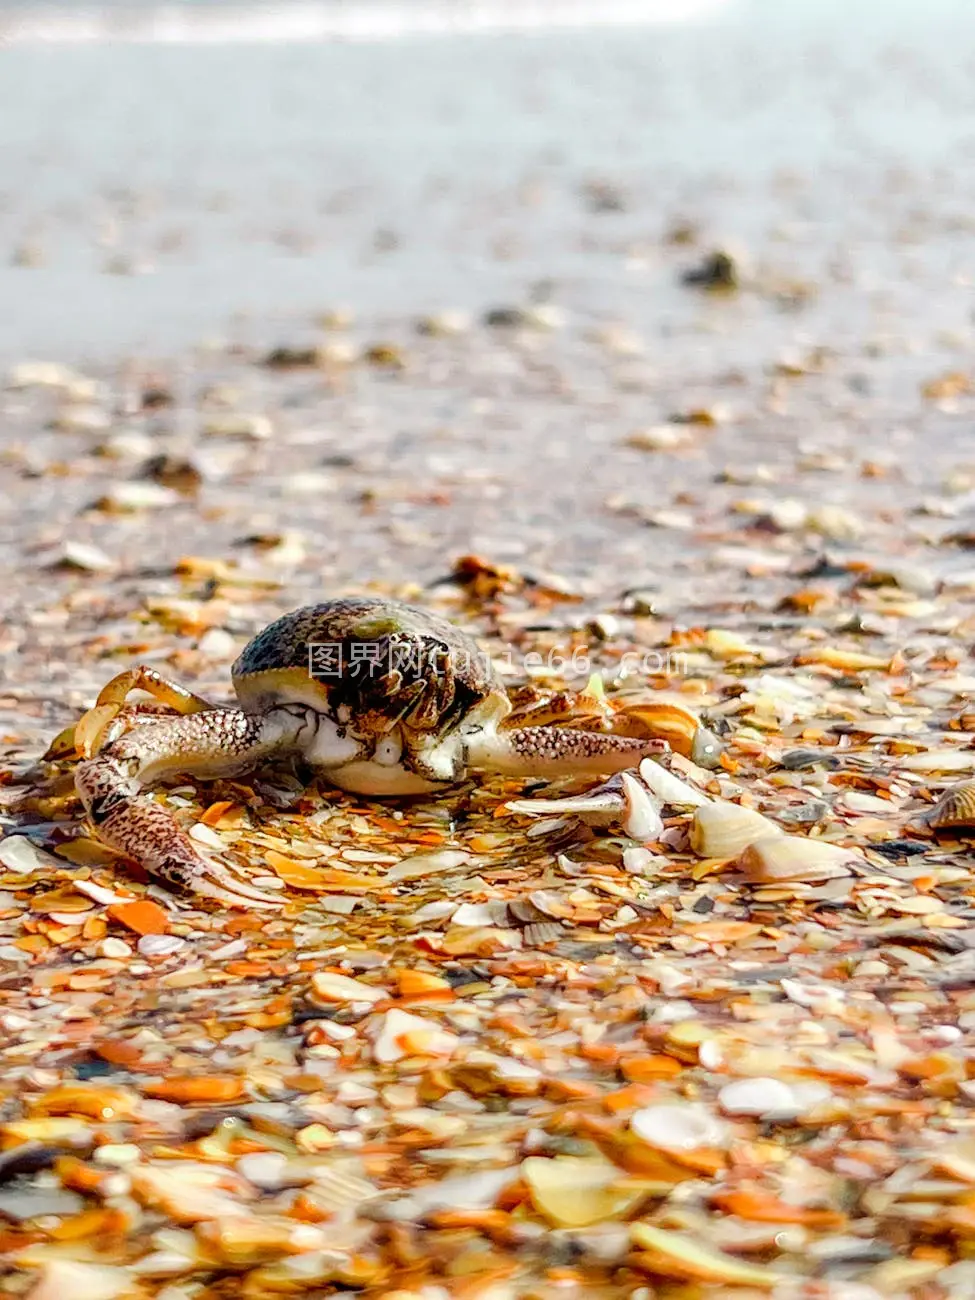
[[97, 727], [557, 751], [164, 689], [216, 743]]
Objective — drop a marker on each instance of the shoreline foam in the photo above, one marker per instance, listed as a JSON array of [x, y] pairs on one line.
[[378, 21]]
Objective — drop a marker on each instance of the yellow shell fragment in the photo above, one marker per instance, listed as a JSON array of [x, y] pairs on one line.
[[52, 1129], [326, 988], [724, 645], [246, 1241], [958, 1162], [577, 1191], [299, 875], [678, 726], [86, 1099], [793, 857], [298, 1275], [674, 1254], [850, 661], [85, 852], [722, 830]]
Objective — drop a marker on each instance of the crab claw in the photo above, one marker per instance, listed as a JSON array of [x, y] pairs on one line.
[[93, 730], [624, 800], [128, 820], [96, 729], [63, 745], [186, 868], [211, 879]]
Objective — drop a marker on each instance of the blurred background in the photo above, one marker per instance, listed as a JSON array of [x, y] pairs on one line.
[[587, 286], [169, 168]]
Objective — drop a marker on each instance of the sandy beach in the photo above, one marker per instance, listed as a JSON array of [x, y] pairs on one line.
[[667, 317]]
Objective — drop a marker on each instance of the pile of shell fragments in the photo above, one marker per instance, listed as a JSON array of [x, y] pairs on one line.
[[703, 1031]]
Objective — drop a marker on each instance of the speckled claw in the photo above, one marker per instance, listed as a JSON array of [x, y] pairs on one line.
[[125, 818], [100, 726], [213, 880]]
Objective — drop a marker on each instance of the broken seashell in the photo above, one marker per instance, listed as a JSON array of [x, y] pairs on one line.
[[49, 374], [939, 760], [676, 1128], [67, 1277], [81, 556], [676, 1254], [126, 498], [238, 424], [304, 1274], [577, 1191], [246, 1241], [793, 857], [57, 1130], [771, 1099], [399, 1034], [641, 814], [94, 1101], [722, 830], [848, 661], [668, 788], [20, 854], [623, 800], [954, 813], [327, 988], [418, 865], [729, 646], [678, 726], [599, 806], [192, 1193], [706, 749]]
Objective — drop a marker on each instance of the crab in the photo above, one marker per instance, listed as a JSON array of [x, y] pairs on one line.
[[384, 699]]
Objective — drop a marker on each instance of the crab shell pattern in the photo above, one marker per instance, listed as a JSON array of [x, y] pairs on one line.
[[395, 678]]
